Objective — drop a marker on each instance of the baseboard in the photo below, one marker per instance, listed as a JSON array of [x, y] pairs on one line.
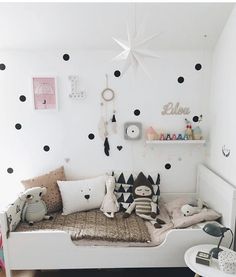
[[20, 273]]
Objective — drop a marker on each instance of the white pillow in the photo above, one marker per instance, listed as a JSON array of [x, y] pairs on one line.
[[82, 195]]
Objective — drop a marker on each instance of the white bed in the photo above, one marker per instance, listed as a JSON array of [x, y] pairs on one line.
[[55, 250]]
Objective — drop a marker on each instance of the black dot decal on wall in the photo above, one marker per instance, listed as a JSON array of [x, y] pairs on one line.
[[137, 112], [91, 136], [198, 66], [195, 118], [18, 126], [2, 66], [180, 79], [10, 170], [117, 73], [46, 148], [167, 166], [66, 57], [22, 98]]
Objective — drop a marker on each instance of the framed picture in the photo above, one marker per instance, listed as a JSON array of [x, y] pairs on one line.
[[44, 93]]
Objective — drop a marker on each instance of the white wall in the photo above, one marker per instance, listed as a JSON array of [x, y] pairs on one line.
[[66, 131], [222, 103]]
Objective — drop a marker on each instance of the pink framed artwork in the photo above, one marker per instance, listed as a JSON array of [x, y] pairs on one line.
[[44, 93]]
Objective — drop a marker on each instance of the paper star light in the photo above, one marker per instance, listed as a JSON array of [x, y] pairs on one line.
[[134, 51]]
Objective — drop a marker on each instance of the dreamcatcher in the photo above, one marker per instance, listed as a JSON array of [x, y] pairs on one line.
[[107, 124]]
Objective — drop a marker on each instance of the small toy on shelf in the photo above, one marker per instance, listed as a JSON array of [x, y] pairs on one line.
[[197, 132], [185, 137], [168, 137], [151, 134], [162, 136], [188, 130], [174, 137], [180, 137]]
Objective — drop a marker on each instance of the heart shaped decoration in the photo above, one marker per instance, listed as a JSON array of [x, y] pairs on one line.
[[119, 147]]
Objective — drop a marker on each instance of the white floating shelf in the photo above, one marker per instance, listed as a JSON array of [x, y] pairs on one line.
[[202, 141]]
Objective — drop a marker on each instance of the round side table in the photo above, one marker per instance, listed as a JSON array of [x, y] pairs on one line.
[[203, 270]]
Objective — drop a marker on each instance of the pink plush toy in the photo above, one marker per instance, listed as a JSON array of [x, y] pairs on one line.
[[162, 137]]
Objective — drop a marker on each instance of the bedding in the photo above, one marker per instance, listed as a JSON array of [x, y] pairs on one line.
[[94, 225], [52, 199], [82, 195], [180, 221], [94, 228]]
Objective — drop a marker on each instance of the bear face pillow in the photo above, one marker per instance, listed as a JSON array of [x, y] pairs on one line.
[[82, 195]]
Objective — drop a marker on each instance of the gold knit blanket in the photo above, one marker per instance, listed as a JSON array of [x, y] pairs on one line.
[[94, 225]]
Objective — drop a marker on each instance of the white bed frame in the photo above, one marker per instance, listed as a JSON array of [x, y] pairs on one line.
[[55, 250]]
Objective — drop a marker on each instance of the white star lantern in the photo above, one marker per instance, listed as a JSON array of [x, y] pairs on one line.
[[134, 51]]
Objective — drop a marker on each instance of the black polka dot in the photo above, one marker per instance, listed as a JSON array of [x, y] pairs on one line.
[[137, 112], [22, 98], [180, 79], [195, 118], [10, 170], [46, 148], [18, 126], [167, 166], [117, 73], [91, 136], [2, 66], [198, 66], [66, 57]]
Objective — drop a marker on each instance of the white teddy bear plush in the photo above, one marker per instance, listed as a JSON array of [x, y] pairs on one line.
[[35, 208], [191, 209]]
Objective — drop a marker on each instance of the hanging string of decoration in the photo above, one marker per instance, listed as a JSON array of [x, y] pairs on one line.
[[107, 123], [135, 49]]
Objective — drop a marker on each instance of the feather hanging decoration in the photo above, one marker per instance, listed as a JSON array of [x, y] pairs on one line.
[[106, 146], [102, 130], [114, 124]]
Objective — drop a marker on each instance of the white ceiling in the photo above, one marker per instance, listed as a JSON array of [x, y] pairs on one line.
[[91, 25]]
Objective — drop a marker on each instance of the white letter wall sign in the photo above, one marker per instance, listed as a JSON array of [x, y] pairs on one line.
[[76, 93], [171, 109]]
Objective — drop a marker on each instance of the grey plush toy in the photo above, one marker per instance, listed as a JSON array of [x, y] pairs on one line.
[[35, 208]]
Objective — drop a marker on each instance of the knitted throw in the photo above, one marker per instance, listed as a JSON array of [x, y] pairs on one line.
[[94, 225]]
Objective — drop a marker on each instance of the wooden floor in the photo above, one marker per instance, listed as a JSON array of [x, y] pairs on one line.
[[158, 272]]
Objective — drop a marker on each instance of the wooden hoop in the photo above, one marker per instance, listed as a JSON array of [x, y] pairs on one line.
[[110, 96]]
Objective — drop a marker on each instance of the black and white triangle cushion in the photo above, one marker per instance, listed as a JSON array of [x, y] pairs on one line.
[[124, 186]]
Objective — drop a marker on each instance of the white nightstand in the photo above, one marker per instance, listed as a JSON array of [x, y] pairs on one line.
[[204, 270]]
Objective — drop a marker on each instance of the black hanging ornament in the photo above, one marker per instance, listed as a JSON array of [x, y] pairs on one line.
[[106, 146], [114, 124], [113, 118]]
